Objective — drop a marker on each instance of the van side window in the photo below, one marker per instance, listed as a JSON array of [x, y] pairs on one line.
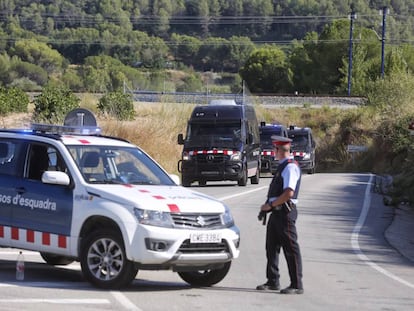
[[10, 153]]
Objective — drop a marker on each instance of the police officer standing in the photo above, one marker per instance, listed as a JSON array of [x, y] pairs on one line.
[[281, 230]]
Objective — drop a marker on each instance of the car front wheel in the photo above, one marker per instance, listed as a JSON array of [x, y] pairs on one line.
[[103, 260], [205, 277]]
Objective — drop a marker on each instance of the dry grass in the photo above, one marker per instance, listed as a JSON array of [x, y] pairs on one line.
[[156, 126], [155, 130]]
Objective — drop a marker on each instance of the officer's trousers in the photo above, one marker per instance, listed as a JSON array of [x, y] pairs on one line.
[[281, 233]]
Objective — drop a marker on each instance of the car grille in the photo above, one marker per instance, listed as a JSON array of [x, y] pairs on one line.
[[197, 221], [210, 158], [188, 248]]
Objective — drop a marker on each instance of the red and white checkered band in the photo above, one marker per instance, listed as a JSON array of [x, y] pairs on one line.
[[268, 153], [298, 153], [215, 151], [30, 238]]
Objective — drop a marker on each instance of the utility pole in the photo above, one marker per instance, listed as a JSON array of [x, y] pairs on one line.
[[384, 18], [351, 31]]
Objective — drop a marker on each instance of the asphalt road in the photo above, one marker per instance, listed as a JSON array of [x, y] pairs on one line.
[[348, 264]]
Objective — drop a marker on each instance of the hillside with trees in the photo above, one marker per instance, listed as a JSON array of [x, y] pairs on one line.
[[103, 45]]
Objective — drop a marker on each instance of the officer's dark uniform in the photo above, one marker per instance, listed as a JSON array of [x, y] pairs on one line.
[[281, 233]]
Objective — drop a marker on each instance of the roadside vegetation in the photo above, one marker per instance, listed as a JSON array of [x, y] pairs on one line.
[[91, 47], [381, 125]]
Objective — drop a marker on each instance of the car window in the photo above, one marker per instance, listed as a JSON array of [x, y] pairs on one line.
[[11, 152], [41, 158]]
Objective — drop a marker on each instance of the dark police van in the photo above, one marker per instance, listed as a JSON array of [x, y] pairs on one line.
[[222, 143], [269, 162], [303, 147]]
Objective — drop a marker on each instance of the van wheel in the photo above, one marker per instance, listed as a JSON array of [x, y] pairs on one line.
[[205, 277], [202, 182], [256, 178], [312, 169], [103, 260], [185, 182], [56, 260], [243, 180]]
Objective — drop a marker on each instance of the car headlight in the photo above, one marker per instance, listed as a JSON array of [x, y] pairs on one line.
[[306, 156], [236, 156], [226, 218], [153, 218]]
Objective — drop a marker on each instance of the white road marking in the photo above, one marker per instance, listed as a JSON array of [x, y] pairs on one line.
[[56, 301], [242, 193], [125, 302], [355, 235]]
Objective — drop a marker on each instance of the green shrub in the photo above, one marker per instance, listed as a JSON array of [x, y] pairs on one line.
[[54, 103], [118, 105], [13, 100]]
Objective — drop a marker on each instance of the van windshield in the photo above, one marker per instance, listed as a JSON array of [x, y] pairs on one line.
[[299, 141], [266, 138], [214, 134]]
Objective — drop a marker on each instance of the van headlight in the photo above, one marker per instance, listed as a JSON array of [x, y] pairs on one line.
[[153, 218], [306, 156], [226, 218], [186, 156], [236, 156]]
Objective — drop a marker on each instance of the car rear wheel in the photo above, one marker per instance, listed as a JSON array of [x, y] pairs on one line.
[[205, 277], [103, 260]]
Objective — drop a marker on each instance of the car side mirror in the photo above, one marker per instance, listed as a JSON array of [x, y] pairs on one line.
[[55, 178]]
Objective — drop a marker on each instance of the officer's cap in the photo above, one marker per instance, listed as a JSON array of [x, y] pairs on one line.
[[280, 140]]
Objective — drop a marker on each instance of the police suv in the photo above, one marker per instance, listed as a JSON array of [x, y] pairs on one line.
[[73, 194]]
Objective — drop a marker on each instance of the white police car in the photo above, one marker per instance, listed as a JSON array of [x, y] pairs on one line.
[[73, 194]]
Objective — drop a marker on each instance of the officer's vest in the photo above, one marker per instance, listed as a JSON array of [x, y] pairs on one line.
[[276, 186]]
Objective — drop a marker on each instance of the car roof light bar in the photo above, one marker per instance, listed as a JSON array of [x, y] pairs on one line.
[[66, 129]]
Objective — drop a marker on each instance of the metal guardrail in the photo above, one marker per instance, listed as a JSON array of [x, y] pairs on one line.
[[269, 100]]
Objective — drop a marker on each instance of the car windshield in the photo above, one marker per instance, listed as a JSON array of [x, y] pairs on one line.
[[117, 165], [214, 134]]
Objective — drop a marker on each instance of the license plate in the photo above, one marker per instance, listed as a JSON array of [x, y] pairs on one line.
[[205, 237]]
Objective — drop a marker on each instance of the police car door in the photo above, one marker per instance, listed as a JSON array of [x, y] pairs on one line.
[[11, 169], [42, 213]]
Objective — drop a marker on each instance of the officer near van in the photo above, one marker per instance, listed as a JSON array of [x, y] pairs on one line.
[[281, 229]]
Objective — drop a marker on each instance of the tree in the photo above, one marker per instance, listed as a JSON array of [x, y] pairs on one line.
[[267, 71], [39, 53], [239, 50], [212, 53], [185, 48]]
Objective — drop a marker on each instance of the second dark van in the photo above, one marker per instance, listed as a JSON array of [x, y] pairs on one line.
[[269, 163], [303, 147]]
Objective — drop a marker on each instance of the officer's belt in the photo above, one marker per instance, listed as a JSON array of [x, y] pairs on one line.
[[287, 205]]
